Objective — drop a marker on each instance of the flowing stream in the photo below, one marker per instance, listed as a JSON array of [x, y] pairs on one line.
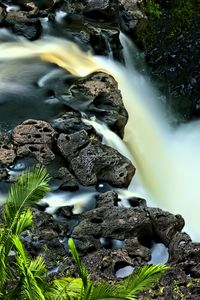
[[166, 158]]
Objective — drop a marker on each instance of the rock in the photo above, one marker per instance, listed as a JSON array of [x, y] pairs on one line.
[[2, 13], [70, 122], [130, 11], [41, 152], [92, 161], [20, 24], [67, 181], [3, 173], [108, 199], [102, 10], [34, 138], [33, 132], [185, 254], [100, 97], [43, 239], [107, 260], [7, 152], [113, 222], [165, 224]]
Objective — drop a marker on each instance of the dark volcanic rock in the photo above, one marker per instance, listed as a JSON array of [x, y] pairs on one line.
[[98, 95], [20, 24], [34, 138], [105, 10], [92, 161], [33, 132], [67, 180], [70, 122], [40, 152], [7, 153], [165, 224], [43, 239], [101, 10], [185, 254]]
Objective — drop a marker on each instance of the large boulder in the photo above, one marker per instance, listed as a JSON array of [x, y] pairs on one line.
[[34, 138], [98, 95], [92, 161]]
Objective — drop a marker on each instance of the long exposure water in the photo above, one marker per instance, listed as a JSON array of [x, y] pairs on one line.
[[166, 158]]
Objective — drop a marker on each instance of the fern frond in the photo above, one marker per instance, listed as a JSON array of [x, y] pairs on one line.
[[31, 284], [30, 187], [65, 288], [3, 271], [24, 221], [87, 284], [28, 190], [81, 268], [141, 279]]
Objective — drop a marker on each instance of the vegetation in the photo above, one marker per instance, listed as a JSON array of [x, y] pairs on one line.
[[23, 278], [147, 27]]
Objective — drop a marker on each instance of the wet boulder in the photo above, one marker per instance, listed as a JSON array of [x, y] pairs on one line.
[[21, 24], [92, 161], [70, 122], [98, 95]]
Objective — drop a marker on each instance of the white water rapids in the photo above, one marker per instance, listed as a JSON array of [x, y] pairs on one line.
[[167, 159]]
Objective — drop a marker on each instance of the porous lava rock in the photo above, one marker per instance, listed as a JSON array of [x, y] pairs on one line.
[[100, 97], [7, 152], [92, 161], [43, 238], [70, 122], [34, 138]]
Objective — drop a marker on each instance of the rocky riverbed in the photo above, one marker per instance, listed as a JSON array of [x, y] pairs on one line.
[[108, 236]]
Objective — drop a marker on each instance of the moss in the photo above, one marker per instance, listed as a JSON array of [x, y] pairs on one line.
[[152, 9], [146, 30], [183, 13], [166, 23]]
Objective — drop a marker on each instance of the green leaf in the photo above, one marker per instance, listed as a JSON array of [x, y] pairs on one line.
[[30, 271], [24, 222], [28, 190], [143, 278], [65, 287]]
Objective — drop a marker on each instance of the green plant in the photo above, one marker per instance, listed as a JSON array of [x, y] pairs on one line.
[[152, 9], [23, 278]]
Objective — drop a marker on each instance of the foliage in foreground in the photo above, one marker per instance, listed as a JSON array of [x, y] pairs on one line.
[[23, 278]]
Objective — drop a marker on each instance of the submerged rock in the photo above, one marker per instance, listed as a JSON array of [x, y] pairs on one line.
[[92, 161]]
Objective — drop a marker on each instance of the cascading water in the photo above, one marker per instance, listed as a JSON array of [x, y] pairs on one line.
[[168, 165]]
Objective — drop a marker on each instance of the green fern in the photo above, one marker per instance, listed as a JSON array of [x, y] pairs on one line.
[[30, 187], [29, 281], [32, 283]]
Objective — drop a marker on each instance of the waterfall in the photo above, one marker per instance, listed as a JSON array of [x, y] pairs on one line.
[[166, 159]]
